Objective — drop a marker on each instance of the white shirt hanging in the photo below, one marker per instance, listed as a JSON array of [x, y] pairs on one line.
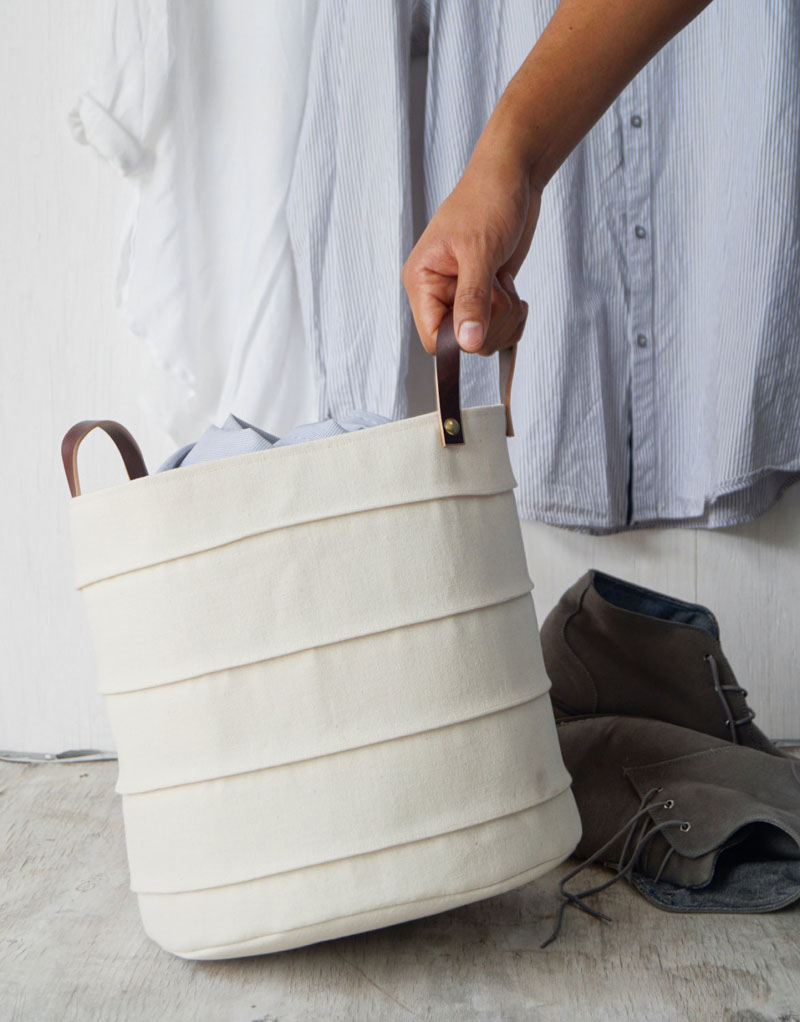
[[199, 105]]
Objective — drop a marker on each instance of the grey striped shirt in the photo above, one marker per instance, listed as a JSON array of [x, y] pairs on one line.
[[658, 381]]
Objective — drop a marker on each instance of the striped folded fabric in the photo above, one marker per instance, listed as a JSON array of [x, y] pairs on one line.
[[235, 436]]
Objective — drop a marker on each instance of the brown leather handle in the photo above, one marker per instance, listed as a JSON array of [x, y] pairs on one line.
[[126, 445], [448, 395]]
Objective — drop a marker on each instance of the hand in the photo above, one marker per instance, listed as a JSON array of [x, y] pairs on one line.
[[470, 252]]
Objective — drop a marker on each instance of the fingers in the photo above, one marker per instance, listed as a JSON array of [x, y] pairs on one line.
[[509, 314], [488, 313], [431, 293], [510, 336], [472, 308]]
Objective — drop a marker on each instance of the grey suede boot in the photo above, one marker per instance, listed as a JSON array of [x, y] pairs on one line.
[[694, 823], [613, 647]]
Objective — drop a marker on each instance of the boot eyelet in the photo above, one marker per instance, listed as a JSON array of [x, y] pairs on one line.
[[669, 803], [727, 723], [686, 826]]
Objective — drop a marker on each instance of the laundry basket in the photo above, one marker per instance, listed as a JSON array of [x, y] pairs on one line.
[[322, 670]]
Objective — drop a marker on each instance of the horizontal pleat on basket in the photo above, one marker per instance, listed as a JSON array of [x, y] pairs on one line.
[[303, 586], [269, 821], [183, 511], [328, 698], [347, 895], [323, 674]]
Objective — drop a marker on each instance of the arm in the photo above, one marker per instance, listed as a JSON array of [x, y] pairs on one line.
[[476, 241]]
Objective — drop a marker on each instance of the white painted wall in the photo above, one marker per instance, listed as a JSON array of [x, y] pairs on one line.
[[65, 355]]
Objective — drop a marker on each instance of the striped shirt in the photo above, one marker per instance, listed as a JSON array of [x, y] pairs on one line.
[[658, 381]]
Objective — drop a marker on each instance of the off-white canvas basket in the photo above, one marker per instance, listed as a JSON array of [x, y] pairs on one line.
[[322, 669]]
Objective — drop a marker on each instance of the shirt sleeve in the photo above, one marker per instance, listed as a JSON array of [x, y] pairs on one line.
[[118, 113]]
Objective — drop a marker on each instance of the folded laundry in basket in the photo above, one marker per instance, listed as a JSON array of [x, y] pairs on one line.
[[235, 436]]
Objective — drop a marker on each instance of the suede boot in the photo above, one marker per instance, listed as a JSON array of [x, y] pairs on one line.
[[694, 823], [611, 647]]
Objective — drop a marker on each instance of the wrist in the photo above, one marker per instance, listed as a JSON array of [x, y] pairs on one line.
[[507, 155], [514, 138]]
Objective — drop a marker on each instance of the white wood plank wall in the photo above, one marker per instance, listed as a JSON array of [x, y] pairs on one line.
[[65, 355]]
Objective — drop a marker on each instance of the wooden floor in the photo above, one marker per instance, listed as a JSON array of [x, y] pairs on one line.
[[72, 950]]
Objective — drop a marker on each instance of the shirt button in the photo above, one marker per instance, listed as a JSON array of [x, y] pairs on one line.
[[636, 121], [639, 231], [641, 340]]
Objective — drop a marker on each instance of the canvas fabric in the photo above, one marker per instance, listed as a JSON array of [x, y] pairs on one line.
[[323, 673]]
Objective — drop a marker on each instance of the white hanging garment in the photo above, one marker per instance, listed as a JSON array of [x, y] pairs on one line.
[[199, 106]]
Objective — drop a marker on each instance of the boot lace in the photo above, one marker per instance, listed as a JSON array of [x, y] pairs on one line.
[[730, 722], [646, 833]]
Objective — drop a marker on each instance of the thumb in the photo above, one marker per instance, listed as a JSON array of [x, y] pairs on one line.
[[473, 303]]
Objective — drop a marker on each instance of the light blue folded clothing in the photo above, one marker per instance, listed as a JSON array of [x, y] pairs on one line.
[[235, 436]]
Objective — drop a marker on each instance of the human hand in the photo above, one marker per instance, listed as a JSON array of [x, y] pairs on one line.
[[468, 255]]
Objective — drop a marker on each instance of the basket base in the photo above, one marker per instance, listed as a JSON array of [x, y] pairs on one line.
[[553, 830], [361, 922]]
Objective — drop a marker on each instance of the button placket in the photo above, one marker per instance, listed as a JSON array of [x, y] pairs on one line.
[[638, 178]]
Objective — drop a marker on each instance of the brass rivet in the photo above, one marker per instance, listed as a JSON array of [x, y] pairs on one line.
[[452, 426]]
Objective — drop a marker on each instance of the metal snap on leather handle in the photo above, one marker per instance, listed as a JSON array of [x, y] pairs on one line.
[[126, 445], [448, 396]]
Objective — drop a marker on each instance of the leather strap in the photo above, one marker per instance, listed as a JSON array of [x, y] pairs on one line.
[[448, 396], [126, 445]]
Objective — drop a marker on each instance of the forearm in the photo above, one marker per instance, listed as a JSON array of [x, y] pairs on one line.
[[589, 52]]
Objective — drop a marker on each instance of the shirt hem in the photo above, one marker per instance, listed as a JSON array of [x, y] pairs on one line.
[[565, 517]]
